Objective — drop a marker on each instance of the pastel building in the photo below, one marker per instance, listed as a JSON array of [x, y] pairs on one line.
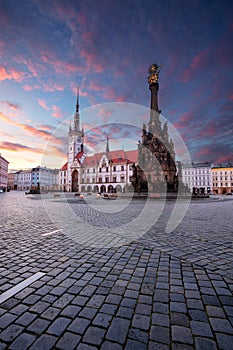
[[24, 180], [222, 177], [3, 173], [198, 177], [44, 179], [13, 176]]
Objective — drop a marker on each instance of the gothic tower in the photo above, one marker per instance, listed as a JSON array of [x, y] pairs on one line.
[[75, 147]]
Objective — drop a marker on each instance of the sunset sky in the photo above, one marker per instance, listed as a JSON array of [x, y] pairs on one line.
[[48, 48]]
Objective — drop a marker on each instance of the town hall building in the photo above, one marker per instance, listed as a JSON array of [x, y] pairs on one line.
[[104, 172]]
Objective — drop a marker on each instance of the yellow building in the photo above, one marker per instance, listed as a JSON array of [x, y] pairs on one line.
[[222, 178]]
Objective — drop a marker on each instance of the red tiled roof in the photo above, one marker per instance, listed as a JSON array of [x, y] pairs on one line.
[[64, 166], [118, 156], [132, 156]]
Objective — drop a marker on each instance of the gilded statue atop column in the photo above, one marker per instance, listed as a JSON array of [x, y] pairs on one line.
[[153, 70]]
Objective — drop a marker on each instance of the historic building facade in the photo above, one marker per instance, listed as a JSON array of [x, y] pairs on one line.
[[3, 173], [24, 180], [198, 177], [108, 172], [156, 169], [104, 172], [38, 178], [44, 179], [222, 178]]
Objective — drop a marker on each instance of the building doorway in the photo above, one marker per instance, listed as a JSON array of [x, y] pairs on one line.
[[110, 189], [74, 181], [103, 189], [96, 189]]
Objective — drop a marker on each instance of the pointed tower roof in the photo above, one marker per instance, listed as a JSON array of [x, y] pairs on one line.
[[77, 104], [76, 114], [107, 146]]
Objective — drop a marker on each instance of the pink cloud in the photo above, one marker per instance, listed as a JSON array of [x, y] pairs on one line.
[[108, 92], [204, 152], [45, 127], [32, 67], [199, 61], [96, 87], [30, 130], [43, 104], [91, 61], [27, 87], [17, 147], [207, 129], [87, 36], [224, 159], [11, 74], [11, 105], [56, 112], [184, 120], [103, 112], [51, 86], [82, 19]]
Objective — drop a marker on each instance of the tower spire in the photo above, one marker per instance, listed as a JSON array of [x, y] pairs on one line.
[[76, 114], [107, 145], [77, 104]]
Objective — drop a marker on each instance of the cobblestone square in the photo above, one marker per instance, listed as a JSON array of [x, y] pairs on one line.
[[155, 290]]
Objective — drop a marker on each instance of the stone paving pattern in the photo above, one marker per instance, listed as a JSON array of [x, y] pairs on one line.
[[159, 292]]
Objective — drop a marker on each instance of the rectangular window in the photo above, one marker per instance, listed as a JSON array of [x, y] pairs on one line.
[[122, 168], [114, 168], [100, 180], [93, 170], [114, 179], [100, 170]]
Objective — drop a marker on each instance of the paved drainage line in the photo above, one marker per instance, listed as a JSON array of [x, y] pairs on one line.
[[14, 290], [50, 233]]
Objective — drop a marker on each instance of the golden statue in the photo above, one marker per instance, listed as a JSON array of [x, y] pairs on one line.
[[153, 70]]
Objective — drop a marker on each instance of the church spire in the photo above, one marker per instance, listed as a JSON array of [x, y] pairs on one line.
[[77, 104], [76, 115], [107, 146]]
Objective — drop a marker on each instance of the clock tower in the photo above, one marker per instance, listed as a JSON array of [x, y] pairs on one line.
[[75, 148]]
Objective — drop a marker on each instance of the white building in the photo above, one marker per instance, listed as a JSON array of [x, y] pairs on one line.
[[24, 180], [44, 179], [198, 177], [3, 173], [107, 171]]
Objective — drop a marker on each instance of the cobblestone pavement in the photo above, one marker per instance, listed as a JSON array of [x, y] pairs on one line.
[[159, 291]]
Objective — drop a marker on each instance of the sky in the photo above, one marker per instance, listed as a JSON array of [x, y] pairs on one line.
[[48, 48]]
